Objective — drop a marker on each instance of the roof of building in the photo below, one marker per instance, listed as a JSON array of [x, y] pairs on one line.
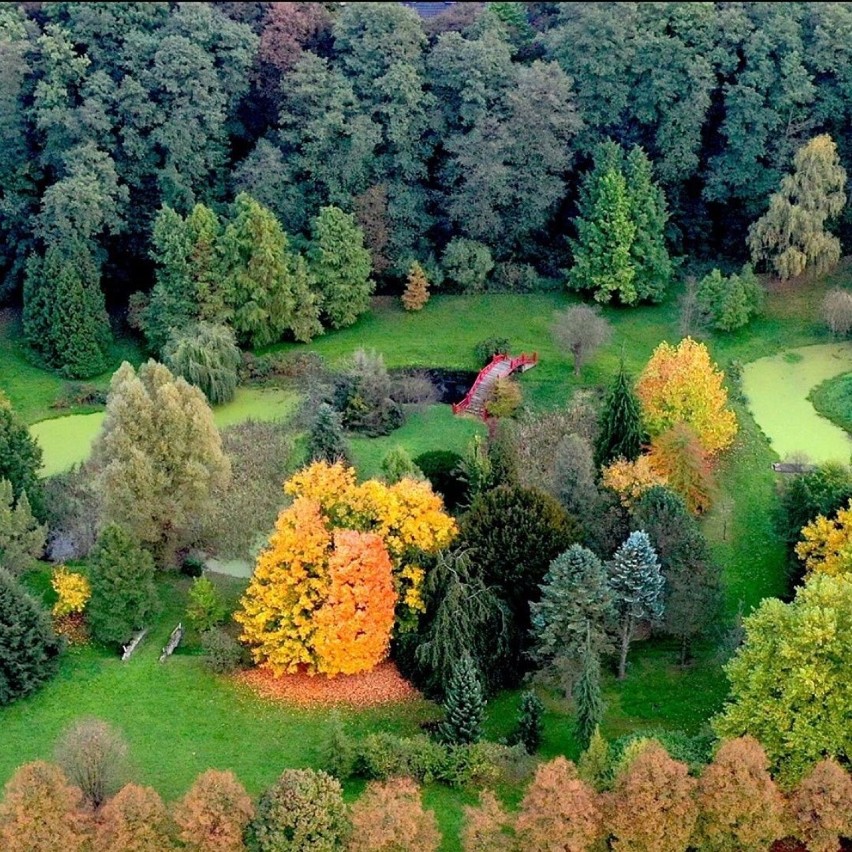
[[429, 10]]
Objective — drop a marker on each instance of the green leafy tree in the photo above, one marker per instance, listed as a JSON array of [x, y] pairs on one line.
[[621, 434], [124, 596], [397, 465], [530, 727], [464, 704], [326, 441], [22, 538], [730, 302], [791, 236], [594, 763], [467, 264], [158, 490], [605, 233], [206, 356], [340, 266], [206, 608], [637, 586], [20, 457], [789, 679], [587, 695], [576, 608], [29, 649]]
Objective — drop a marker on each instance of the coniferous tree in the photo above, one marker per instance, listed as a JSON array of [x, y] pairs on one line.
[[416, 289], [594, 763], [29, 649], [326, 441], [637, 585], [621, 434], [587, 695], [397, 465], [20, 457], [21, 536], [530, 728], [124, 596], [464, 704]]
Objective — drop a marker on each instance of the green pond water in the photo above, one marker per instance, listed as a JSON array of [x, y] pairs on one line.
[[777, 388], [66, 441]]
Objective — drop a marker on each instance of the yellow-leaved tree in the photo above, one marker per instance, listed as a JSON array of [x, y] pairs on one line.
[[680, 384], [826, 544]]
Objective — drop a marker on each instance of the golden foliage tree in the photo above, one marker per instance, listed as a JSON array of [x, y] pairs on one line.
[[821, 807], [214, 813], [353, 626], [487, 826], [416, 289], [652, 808], [680, 384], [826, 544], [72, 589], [558, 804], [679, 460], [134, 820], [389, 817], [41, 811], [739, 806], [631, 479]]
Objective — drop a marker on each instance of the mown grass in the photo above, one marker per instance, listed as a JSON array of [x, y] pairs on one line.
[[833, 400]]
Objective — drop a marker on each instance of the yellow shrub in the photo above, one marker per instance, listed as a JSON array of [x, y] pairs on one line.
[[73, 589]]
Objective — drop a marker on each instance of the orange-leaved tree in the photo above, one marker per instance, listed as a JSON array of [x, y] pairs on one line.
[[678, 457], [821, 807], [416, 289], [134, 820], [826, 544], [631, 479], [487, 826], [353, 626], [680, 384]]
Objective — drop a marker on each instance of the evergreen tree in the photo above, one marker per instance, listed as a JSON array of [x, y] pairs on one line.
[[530, 727], [621, 434], [594, 763], [29, 649], [637, 585], [21, 536], [20, 458], [416, 289], [576, 607], [605, 233], [587, 696], [340, 266], [464, 704], [648, 211], [397, 465], [325, 439], [124, 596]]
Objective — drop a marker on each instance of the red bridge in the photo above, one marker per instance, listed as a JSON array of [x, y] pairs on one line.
[[500, 366]]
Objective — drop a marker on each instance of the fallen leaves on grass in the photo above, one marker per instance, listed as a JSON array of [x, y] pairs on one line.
[[383, 685]]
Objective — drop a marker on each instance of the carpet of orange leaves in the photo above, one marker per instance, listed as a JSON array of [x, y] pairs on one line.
[[383, 685]]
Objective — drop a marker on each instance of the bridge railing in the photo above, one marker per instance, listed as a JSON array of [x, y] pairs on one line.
[[521, 362]]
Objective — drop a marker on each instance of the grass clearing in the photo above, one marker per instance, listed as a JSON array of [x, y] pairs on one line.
[[833, 400]]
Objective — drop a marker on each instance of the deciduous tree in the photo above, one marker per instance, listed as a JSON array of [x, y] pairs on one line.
[[135, 820], [581, 330], [487, 826], [821, 807], [826, 543], [214, 813], [682, 463], [207, 357]]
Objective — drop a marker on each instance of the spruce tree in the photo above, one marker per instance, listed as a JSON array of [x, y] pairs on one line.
[[416, 289], [587, 696], [124, 596], [593, 765], [21, 536], [637, 585], [621, 434], [464, 704], [648, 211], [326, 441], [29, 649], [20, 458], [530, 727]]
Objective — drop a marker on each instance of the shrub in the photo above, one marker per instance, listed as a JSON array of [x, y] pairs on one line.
[[303, 811], [214, 813], [222, 653], [505, 398], [192, 565], [340, 752], [93, 755], [364, 396], [467, 263], [206, 608], [381, 756], [77, 394], [441, 468], [837, 311], [486, 349], [72, 589]]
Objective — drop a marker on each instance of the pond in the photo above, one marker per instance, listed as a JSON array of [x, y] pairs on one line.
[[777, 388], [66, 441]]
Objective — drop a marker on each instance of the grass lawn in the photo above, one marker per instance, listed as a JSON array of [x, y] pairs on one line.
[[833, 400]]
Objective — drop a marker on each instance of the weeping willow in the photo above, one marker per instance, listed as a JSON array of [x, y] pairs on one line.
[[207, 356]]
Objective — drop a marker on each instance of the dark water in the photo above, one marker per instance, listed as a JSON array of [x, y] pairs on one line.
[[451, 385]]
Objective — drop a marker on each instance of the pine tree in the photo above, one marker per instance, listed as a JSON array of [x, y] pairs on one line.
[[593, 765], [325, 439], [124, 596], [20, 458], [21, 536], [576, 606], [530, 727], [587, 695], [464, 705], [621, 434], [605, 233], [648, 211], [29, 649], [637, 584], [416, 289]]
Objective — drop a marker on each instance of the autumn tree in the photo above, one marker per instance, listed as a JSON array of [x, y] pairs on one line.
[[821, 807], [390, 816], [739, 806], [302, 810], [791, 237], [825, 543], [214, 813], [621, 434], [487, 826], [29, 649], [93, 755], [837, 311], [581, 330], [653, 805], [22, 538], [680, 384], [637, 586], [41, 812], [558, 804], [789, 683], [135, 820], [630, 480], [681, 462], [157, 490], [353, 625], [416, 289]]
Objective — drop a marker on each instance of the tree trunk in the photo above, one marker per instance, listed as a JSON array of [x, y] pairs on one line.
[[684, 651], [626, 630]]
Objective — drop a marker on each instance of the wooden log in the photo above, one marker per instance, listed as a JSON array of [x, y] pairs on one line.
[[174, 641], [134, 644]]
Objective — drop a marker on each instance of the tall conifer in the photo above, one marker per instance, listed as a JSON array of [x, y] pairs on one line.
[[621, 434]]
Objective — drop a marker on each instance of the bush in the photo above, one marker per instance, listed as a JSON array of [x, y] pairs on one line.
[[441, 468], [364, 396], [486, 349], [75, 394], [222, 653], [696, 751], [207, 356], [515, 278], [206, 608], [192, 565], [382, 756], [467, 263], [505, 398]]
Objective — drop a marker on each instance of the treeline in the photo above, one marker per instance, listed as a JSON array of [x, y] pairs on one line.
[[651, 801], [467, 135]]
